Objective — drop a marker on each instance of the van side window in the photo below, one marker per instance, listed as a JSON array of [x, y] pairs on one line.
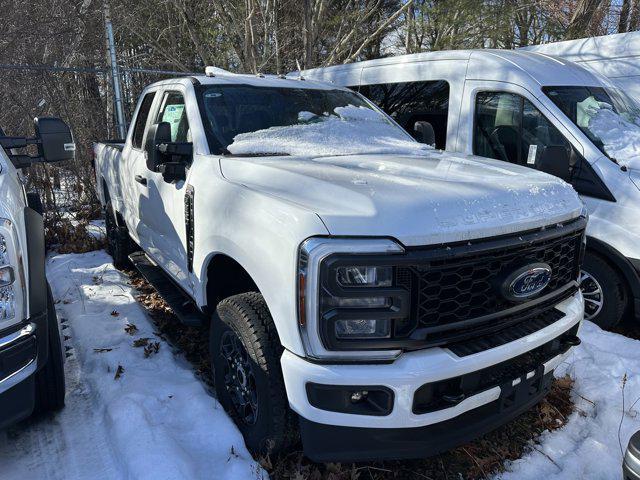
[[509, 127], [141, 119], [172, 110], [410, 102]]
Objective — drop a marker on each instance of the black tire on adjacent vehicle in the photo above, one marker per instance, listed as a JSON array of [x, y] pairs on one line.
[[118, 242], [245, 356], [50, 386], [604, 291]]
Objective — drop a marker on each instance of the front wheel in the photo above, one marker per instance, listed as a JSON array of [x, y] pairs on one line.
[[603, 290], [245, 356]]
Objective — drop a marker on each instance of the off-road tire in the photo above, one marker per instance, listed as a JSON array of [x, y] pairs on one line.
[[246, 315], [118, 242], [50, 385], [613, 290]]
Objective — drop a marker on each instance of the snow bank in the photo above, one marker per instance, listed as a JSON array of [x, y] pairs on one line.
[[621, 138], [349, 130], [588, 447], [154, 415]]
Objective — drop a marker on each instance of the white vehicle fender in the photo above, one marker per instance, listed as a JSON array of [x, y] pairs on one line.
[[262, 234]]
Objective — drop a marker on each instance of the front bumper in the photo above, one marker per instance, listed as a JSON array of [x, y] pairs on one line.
[[18, 365], [402, 433]]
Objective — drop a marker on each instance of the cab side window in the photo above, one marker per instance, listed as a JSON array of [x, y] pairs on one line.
[[141, 119], [411, 102], [509, 127], [173, 111]]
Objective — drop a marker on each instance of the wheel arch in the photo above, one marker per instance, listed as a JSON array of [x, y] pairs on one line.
[[107, 199], [224, 276], [620, 263]]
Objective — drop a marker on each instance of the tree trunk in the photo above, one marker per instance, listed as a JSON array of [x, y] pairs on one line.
[[623, 23], [579, 25], [634, 17]]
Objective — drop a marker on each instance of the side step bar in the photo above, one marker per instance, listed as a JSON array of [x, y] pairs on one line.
[[180, 303]]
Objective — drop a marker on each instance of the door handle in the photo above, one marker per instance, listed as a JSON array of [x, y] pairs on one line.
[[140, 179]]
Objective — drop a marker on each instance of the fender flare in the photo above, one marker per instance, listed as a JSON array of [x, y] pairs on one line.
[[37, 284]]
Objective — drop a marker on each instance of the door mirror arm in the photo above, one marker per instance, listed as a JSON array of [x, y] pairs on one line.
[[174, 158]]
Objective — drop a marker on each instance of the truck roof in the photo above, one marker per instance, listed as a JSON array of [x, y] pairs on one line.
[[281, 81], [484, 64]]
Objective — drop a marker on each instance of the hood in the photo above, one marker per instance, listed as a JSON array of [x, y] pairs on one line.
[[419, 200]]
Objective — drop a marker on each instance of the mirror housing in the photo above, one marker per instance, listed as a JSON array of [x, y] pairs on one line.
[[158, 133], [557, 160], [56, 140], [424, 133], [164, 156]]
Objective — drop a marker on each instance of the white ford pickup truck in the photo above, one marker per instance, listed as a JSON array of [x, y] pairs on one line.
[[377, 297], [31, 359]]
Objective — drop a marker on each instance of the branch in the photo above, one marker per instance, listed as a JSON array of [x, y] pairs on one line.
[[375, 34]]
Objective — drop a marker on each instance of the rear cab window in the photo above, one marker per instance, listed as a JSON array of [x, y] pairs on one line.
[[141, 120]]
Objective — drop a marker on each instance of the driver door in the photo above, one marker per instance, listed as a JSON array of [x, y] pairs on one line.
[[163, 208], [507, 125]]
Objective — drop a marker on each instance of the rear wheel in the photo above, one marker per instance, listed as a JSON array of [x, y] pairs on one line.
[[118, 242], [50, 388], [245, 356], [603, 290]]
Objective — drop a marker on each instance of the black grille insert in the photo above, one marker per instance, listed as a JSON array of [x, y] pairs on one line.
[[463, 283], [527, 326]]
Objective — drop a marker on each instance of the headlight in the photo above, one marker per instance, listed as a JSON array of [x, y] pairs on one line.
[[12, 294], [348, 304], [367, 276]]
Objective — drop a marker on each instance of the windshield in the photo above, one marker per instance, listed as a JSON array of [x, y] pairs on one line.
[[248, 120], [609, 117]]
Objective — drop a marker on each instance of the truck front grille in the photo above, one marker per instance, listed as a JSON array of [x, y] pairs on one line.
[[455, 290], [463, 284]]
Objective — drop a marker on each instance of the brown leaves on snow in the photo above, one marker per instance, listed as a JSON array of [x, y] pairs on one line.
[[131, 329], [119, 372]]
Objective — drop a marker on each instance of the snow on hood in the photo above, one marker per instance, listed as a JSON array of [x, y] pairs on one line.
[[420, 200], [620, 137], [349, 130]]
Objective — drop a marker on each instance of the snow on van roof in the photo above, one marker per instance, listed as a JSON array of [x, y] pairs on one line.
[[606, 47]]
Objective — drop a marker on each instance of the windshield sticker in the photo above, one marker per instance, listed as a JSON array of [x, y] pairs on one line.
[[531, 158]]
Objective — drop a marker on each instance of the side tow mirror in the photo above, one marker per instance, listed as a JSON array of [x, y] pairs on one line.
[[158, 133], [556, 160], [424, 133], [56, 140]]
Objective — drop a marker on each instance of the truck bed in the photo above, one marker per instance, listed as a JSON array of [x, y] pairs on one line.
[[107, 156]]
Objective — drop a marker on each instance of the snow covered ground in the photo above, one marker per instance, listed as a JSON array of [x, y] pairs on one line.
[[127, 415], [154, 419], [589, 446]]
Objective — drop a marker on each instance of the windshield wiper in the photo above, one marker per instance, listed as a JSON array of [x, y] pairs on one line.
[[256, 154]]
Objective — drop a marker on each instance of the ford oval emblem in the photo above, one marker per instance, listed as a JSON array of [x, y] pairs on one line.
[[526, 281]]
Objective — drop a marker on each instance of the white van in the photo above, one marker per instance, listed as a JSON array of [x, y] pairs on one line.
[[617, 57], [536, 110]]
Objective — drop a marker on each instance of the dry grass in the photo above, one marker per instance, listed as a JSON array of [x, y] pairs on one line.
[[68, 234], [475, 460]]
